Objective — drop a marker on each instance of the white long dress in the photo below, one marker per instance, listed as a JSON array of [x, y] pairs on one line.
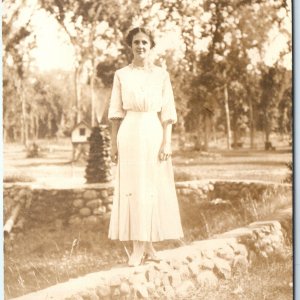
[[145, 205]]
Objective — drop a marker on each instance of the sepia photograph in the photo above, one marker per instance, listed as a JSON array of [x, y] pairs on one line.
[[147, 149]]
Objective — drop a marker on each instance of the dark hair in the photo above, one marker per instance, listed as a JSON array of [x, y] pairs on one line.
[[135, 31]]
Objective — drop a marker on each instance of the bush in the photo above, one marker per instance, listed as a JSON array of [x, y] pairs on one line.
[[17, 178], [289, 176], [33, 151]]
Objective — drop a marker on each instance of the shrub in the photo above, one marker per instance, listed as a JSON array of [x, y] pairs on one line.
[[289, 176], [17, 178]]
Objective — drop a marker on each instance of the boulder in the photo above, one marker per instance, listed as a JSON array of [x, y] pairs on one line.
[[207, 278], [185, 289]]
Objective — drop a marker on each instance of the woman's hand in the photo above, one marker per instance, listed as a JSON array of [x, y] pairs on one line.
[[114, 153], [165, 151]]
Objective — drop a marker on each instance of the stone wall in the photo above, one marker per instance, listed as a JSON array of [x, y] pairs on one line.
[[180, 273], [200, 190], [70, 206], [88, 203], [183, 270]]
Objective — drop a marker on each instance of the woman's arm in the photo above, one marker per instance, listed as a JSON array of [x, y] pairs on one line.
[[114, 132], [166, 147]]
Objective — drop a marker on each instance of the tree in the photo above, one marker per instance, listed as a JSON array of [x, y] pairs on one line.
[[276, 88], [227, 26], [95, 30], [17, 43]]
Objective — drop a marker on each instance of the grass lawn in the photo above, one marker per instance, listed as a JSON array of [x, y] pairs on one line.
[[55, 163], [45, 256]]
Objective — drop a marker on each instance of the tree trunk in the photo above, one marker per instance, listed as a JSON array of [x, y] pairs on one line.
[[227, 117], [77, 95], [198, 137], [36, 132], [206, 131], [235, 134], [93, 96], [24, 125], [181, 131], [4, 134], [251, 123]]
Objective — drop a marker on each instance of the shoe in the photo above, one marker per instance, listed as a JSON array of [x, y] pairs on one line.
[[150, 253], [138, 255], [152, 257], [136, 260]]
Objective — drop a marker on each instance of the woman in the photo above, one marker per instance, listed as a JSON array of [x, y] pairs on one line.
[[142, 110]]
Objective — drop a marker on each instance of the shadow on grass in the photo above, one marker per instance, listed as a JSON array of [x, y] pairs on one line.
[[207, 162], [46, 163]]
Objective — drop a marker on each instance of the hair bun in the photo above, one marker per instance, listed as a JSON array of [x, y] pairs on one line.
[[133, 31]]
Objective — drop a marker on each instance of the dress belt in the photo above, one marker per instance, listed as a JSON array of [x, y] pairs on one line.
[[142, 112]]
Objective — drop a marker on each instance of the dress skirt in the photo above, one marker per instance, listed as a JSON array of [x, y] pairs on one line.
[[145, 206]]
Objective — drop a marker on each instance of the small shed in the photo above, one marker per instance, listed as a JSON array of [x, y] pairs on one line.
[[79, 137], [80, 133]]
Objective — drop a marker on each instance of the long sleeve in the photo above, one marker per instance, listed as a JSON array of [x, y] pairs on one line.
[[116, 110], [168, 111]]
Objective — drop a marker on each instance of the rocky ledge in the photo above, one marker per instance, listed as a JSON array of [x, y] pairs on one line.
[[181, 271]]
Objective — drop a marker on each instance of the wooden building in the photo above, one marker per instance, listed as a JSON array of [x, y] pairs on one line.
[[79, 137]]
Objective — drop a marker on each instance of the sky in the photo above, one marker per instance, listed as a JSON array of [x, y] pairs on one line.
[[54, 50]]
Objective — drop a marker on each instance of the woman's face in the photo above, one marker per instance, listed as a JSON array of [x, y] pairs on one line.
[[141, 46]]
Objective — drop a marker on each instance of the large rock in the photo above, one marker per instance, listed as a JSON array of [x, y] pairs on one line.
[[240, 265], [141, 291], [124, 288], [78, 203], [115, 280], [90, 195], [175, 279], [194, 268], [226, 252], [104, 194], [91, 221], [207, 264], [138, 278], [222, 268], [75, 220], [99, 210], [150, 287], [169, 292], [184, 290], [103, 291], [85, 212], [166, 279], [90, 295], [92, 204], [207, 278]]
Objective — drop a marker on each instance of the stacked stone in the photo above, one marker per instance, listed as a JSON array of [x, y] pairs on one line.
[[181, 272], [266, 238], [195, 191], [89, 206], [58, 207], [90, 203], [228, 191], [14, 195], [99, 163], [235, 190]]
